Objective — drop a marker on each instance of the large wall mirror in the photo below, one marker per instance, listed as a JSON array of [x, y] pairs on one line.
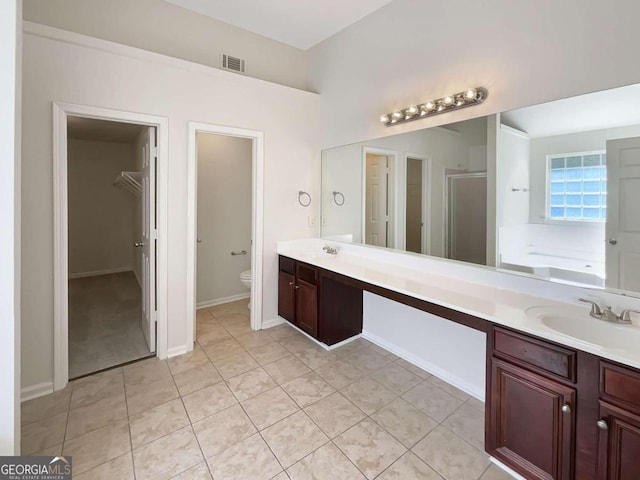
[[551, 190]]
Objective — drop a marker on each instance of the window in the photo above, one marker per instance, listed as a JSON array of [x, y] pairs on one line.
[[577, 187]]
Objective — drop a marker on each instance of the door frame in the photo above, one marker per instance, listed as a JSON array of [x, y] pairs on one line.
[[426, 200], [445, 219], [392, 240], [60, 226], [257, 219]]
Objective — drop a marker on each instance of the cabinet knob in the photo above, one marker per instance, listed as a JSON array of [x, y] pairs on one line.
[[566, 408], [602, 425], [297, 287], [291, 284]]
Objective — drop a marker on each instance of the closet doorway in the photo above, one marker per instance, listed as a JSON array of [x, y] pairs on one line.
[[110, 175], [107, 232]]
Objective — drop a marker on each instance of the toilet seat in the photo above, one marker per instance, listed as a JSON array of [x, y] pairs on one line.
[[246, 275]]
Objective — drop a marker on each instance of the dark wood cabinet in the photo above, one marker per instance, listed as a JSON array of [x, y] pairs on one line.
[[619, 444], [532, 422], [619, 423], [298, 294], [557, 413], [287, 296], [307, 307], [321, 303], [340, 308]]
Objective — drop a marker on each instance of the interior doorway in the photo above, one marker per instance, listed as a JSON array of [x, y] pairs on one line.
[[417, 204], [111, 255], [466, 217], [378, 197], [109, 239], [225, 218]]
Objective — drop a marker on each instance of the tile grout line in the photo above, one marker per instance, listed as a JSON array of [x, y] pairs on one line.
[[193, 431], [298, 357], [126, 403]]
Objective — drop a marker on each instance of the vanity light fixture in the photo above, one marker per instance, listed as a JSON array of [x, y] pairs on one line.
[[467, 98]]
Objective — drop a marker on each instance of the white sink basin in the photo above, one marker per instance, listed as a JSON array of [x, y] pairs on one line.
[[585, 329]]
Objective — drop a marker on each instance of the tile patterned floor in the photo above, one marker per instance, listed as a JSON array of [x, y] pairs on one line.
[[104, 323], [248, 405]]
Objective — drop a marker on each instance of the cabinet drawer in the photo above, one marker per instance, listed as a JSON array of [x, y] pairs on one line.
[[535, 354], [307, 273], [287, 264], [620, 385]]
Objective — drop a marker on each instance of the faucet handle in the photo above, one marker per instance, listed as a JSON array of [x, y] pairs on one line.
[[625, 315], [595, 308]]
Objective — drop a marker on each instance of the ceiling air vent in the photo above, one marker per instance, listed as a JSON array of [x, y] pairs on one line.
[[234, 64]]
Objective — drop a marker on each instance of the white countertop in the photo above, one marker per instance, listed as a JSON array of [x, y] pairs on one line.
[[418, 277]]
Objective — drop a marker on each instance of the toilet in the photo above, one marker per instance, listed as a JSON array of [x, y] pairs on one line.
[[245, 278]]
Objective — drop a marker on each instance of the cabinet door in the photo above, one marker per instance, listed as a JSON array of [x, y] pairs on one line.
[[619, 447], [307, 307], [527, 427], [287, 296]]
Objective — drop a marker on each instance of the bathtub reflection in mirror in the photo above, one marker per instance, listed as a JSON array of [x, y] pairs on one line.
[[551, 190]]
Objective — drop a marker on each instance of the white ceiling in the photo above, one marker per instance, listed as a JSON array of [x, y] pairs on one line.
[[299, 23], [102, 130], [617, 107]]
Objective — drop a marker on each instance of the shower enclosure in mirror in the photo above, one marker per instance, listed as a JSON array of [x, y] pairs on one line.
[[551, 190]]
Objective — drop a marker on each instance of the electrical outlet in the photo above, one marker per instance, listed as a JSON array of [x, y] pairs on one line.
[[311, 220], [324, 220]]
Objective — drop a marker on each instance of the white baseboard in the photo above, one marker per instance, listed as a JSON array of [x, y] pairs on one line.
[[96, 273], [35, 391], [427, 366], [274, 322], [501, 465], [220, 301], [175, 351], [278, 320]]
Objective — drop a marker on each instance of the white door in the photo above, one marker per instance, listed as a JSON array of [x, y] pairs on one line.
[[623, 219], [148, 241], [376, 211]]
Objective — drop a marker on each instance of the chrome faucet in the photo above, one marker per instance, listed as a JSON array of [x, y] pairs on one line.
[[609, 315], [330, 250]]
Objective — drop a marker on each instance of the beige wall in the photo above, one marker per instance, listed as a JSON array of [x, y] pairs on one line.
[[162, 27], [101, 215], [524, 52], [224, 215], [113, 77]]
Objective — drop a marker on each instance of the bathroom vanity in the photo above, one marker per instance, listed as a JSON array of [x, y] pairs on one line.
[[557, 406], [560, 413], [323, 304]]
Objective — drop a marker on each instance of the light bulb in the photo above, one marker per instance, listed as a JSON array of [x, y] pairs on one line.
[[470, 94], [384, 118], [430, 106], [448, 100], [397, 115], [411, 111]]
